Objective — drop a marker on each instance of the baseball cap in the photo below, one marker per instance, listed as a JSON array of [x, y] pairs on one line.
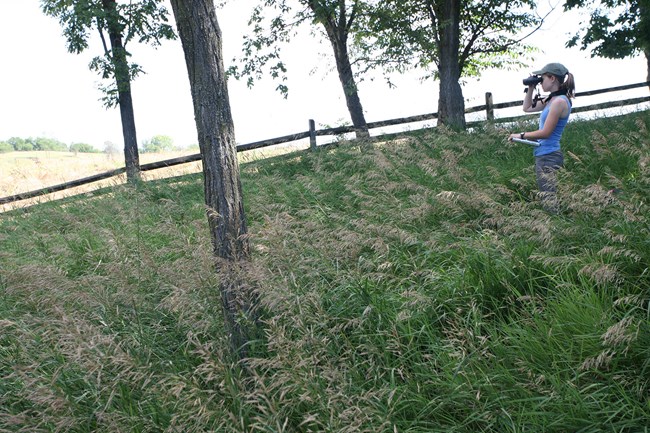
[[554, 69]]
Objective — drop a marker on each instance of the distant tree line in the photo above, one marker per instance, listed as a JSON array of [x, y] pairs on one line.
[[162, 143], [156, 144], [17, 144]]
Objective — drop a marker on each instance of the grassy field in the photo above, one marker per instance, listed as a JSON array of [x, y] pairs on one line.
[[411, 285]]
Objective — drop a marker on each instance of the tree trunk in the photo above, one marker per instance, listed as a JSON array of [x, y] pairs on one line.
[[337, 33], [131, 155], [123, 80], [346, 77], [451, 105], [200, 36]]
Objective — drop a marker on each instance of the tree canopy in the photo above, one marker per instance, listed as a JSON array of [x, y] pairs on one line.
[[448, 39], [616, 28], [145, 21], [407, 34]]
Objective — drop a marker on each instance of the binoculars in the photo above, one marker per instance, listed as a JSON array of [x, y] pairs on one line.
[[532, 80]]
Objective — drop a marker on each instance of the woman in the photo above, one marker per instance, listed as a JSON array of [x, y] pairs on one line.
[[555, 109]]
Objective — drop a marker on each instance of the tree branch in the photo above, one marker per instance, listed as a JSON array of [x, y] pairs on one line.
[[107, 52], [353, 14], [434, 23]]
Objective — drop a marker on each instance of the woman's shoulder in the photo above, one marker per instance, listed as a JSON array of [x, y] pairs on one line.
[[561, 104], [561, 101]]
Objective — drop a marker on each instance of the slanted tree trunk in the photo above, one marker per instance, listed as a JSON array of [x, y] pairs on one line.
[[337, 32], [346, 77], [451, 105], [131, 155], [200, 35]]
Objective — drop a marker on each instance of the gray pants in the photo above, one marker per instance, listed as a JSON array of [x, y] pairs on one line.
[[546, 167]]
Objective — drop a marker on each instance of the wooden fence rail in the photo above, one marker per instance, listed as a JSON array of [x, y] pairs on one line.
[[312, 133]]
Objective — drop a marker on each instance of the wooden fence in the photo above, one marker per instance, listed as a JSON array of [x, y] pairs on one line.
[[312, 133]]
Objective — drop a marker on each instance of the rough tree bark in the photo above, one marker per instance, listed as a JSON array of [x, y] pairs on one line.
[[451, 105], [131, 155], [200, 36]]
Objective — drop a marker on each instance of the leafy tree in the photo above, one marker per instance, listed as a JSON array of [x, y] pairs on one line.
[[20, 144], [44, 143], [140, 20], [5, 147], [617, 28], [82, 148], [338, 20], [449, 39], [158, 143], [23, 145], [201, 39]]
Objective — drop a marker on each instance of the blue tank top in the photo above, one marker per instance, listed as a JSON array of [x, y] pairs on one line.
[[552, 143]]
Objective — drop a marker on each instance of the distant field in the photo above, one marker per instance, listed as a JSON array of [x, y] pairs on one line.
[[29, 171]]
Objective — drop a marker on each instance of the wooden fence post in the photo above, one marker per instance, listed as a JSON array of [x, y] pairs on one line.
[[489, 106], [312, 134]]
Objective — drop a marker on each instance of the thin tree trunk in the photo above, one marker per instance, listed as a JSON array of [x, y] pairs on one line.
[[122, 78], [200, 35], [131, 155], [337, 28], [346, 77], [451, 105]]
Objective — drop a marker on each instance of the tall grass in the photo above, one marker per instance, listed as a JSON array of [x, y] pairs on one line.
[[413, 285]]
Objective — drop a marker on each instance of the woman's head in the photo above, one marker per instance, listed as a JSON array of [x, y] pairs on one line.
[[555, 76]]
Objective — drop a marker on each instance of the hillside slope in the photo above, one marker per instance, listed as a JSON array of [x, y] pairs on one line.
[[412, 285]]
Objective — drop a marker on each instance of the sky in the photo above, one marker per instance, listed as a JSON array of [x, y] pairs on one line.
[[47, 92]]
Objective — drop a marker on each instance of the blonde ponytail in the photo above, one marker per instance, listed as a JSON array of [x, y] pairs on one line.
[[569, 85]]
